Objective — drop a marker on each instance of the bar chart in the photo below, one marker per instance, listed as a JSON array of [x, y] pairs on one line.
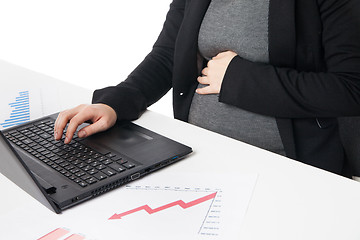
[[20, 110]]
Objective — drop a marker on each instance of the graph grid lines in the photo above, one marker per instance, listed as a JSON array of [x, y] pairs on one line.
[[20, 110]]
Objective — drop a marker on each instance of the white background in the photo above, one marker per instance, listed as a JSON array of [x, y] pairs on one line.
[[90, 43]]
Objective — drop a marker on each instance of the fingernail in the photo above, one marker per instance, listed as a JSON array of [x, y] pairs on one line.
[[66, 140], [55, 135], [82, 134]]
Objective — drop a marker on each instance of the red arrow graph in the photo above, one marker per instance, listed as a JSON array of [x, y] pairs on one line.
[[169, 205]]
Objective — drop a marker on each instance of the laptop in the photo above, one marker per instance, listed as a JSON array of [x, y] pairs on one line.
[[61, 175]]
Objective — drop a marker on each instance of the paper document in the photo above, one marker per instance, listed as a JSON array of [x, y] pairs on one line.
[[186, 207]]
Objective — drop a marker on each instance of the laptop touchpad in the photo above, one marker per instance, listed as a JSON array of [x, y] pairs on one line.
[[119, 137]]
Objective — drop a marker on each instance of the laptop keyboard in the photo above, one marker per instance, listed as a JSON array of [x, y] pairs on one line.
[[76, 161]]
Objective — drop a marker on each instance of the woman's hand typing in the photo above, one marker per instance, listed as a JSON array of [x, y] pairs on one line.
[[102, 117]]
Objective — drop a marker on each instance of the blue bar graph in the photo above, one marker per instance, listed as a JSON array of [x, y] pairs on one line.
[[20, 111]]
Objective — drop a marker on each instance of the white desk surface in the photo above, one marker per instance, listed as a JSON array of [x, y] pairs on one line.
[[290, 200]]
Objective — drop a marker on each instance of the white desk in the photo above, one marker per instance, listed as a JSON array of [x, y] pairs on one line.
[[290, 201]]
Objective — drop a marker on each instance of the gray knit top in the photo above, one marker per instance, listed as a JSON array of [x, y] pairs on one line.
[[240, 26]]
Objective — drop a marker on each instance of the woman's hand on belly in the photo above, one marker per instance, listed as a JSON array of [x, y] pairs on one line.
[[214, 73]]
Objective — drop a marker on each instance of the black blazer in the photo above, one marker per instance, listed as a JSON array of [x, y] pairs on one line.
[[313, 76]]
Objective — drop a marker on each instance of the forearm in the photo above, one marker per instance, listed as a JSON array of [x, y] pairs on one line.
[[284, 92], [144, 86]]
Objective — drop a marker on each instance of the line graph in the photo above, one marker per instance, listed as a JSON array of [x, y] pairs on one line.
[[199, 210], [164, 207]]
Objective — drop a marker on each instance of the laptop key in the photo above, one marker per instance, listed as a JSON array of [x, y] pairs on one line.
[[100, 175], [82, 184], [117, 167], [87, 168], [27, 141], [41, 149], [89, 160], [81, 165], [64, 164], [85, 177], [58, 161], [110, 155], [69, 167], [91, 180], [79, 174], [121, 161], [129, 165], [54, 158], [107, 161], [75, 170], [95, 164], [109, 172], [46, 136], [92, 171], [100, 167], [57, 168]]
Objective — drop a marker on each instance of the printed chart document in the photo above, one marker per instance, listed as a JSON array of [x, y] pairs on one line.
[[159, 206]]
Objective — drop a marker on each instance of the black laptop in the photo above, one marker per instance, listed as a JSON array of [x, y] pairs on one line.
[[63, 175]]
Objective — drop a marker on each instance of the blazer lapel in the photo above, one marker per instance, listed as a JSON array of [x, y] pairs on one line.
[[185, 70], [282, 52], [187, 41], [282, 35]]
